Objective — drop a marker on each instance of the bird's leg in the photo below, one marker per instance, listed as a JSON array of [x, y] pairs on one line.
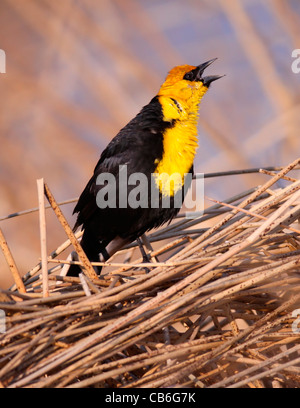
[[146, 257], [148, 245], [144, 254]]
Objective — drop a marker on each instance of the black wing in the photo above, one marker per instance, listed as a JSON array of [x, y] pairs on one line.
[[137, 145]]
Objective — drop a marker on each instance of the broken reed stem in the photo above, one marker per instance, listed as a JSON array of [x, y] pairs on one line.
[[52, 256], [11, 263], [88, 269], [250, 213], [43, 236], [189, 249]]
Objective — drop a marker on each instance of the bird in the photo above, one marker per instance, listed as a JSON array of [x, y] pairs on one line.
[[161, 140]]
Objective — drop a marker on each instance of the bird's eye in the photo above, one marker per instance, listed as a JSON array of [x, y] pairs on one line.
[[189, 76]]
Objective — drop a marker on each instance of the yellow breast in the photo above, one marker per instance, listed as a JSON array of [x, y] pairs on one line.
[[180, 143]]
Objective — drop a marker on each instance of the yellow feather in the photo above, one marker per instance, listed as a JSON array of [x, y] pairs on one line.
[[180, 103]]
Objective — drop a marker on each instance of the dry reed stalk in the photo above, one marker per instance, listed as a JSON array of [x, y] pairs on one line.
[[224, 295], [88, 269], [43, 236], [11, 263]]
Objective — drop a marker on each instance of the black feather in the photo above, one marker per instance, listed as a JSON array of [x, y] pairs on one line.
[[138, 146]]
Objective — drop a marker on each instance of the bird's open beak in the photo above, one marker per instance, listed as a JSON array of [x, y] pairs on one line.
[[208, 79], [211, 78]]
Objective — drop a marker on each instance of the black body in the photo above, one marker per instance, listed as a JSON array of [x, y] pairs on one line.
[[139, 145]]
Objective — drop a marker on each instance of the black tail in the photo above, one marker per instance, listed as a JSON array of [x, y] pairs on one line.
[[92, 248]]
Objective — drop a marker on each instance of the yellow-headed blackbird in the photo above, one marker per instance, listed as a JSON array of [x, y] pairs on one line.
[[160, 140]]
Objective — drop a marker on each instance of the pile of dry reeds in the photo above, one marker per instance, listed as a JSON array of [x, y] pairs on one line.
[[222, 310]]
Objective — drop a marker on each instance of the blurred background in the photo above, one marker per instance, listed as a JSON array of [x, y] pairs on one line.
[[78, 71]]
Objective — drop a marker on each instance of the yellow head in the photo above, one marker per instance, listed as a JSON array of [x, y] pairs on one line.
[[179, 97], [186, 84]]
